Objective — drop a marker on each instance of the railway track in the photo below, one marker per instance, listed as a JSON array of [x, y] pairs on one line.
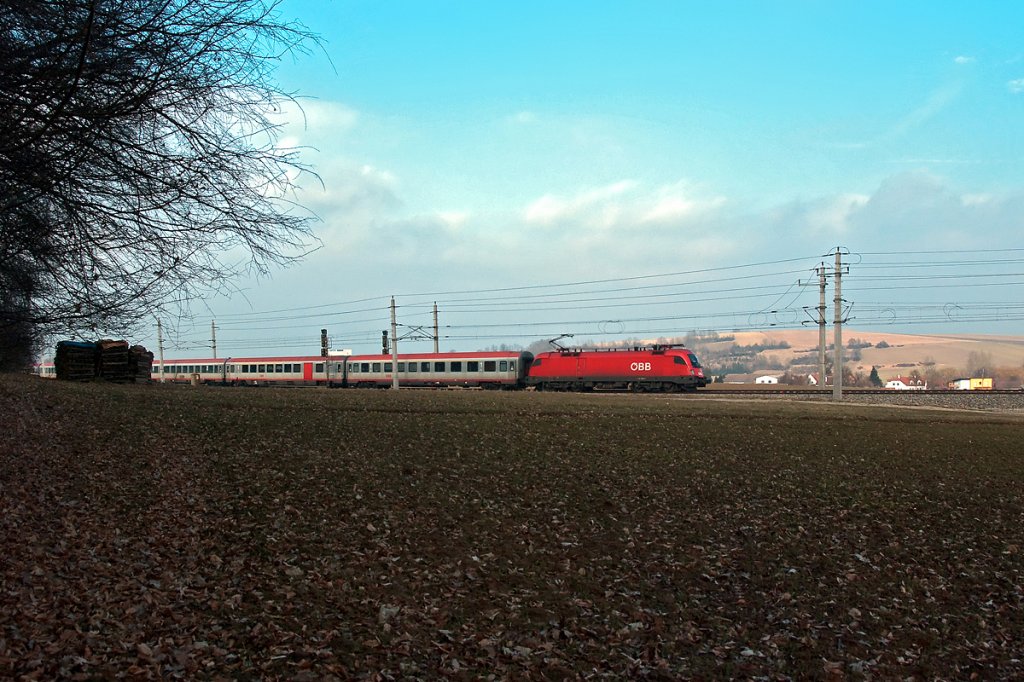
[[854, 391]]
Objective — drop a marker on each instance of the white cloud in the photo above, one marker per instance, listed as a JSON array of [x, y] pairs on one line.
[[823, 217], [938, 100], [454, 220], [964, 59], [317, 119], [524, 117], [1016, 86], [976, 199], [585, 206], [622, 206]]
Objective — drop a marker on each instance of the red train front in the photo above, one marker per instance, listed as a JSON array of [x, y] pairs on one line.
[[657, 369]]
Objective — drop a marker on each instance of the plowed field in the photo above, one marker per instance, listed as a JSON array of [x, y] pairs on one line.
[[170, 532]]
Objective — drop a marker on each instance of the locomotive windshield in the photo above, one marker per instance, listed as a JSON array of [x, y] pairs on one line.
[[693, 360]]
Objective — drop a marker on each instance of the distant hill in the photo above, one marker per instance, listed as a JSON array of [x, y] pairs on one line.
[[892, 354]]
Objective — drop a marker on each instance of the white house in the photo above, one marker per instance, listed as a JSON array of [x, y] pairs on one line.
[[906, 384], [767, 379]]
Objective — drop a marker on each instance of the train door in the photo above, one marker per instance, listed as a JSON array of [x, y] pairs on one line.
[[307, 371]]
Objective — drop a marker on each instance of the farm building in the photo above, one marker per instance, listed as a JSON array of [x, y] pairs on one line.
[[906, 384], [972, 384]]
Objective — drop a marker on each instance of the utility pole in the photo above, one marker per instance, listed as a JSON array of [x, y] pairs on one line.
[[160, 346], [213, 337], [821, 325], [837, 368], [435, 327], [394, 346]]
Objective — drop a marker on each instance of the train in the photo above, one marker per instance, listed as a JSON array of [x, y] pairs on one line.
[[658, 368]]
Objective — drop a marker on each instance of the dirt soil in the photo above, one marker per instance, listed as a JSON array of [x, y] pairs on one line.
[[172, 532]]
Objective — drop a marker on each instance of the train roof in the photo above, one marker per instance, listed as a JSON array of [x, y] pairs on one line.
[[462, 355], [485, 355], [217, 361], [657, 348]]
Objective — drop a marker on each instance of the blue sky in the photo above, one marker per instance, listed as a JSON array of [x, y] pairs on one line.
[[470, 146]]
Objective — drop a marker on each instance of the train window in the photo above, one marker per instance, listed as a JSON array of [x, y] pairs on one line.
[[472, 366], [456, 366], [279, 368], [693, 360], [503, 366], [438, 366], [365, 367], [424, 366], [318, 367], [376, 367], [490, 366], [401, 367], [536, 363], [355, 368], [261, 368], [678, 360], [412, 366], [387, 366]]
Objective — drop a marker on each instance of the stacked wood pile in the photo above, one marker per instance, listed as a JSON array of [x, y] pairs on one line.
[[113, 359], [108, 359], [75, 360], [140, 363]]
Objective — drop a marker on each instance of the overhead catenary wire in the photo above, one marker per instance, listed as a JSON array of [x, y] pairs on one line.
[[530, 311]]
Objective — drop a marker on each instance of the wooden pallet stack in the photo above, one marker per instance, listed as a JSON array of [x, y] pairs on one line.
[[140, 363], [108, 359], [75, 360], [114, 360]]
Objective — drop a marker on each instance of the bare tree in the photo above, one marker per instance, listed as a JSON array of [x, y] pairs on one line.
[[139, 166]]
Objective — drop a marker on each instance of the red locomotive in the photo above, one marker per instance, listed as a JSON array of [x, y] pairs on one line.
[[656, 369]]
